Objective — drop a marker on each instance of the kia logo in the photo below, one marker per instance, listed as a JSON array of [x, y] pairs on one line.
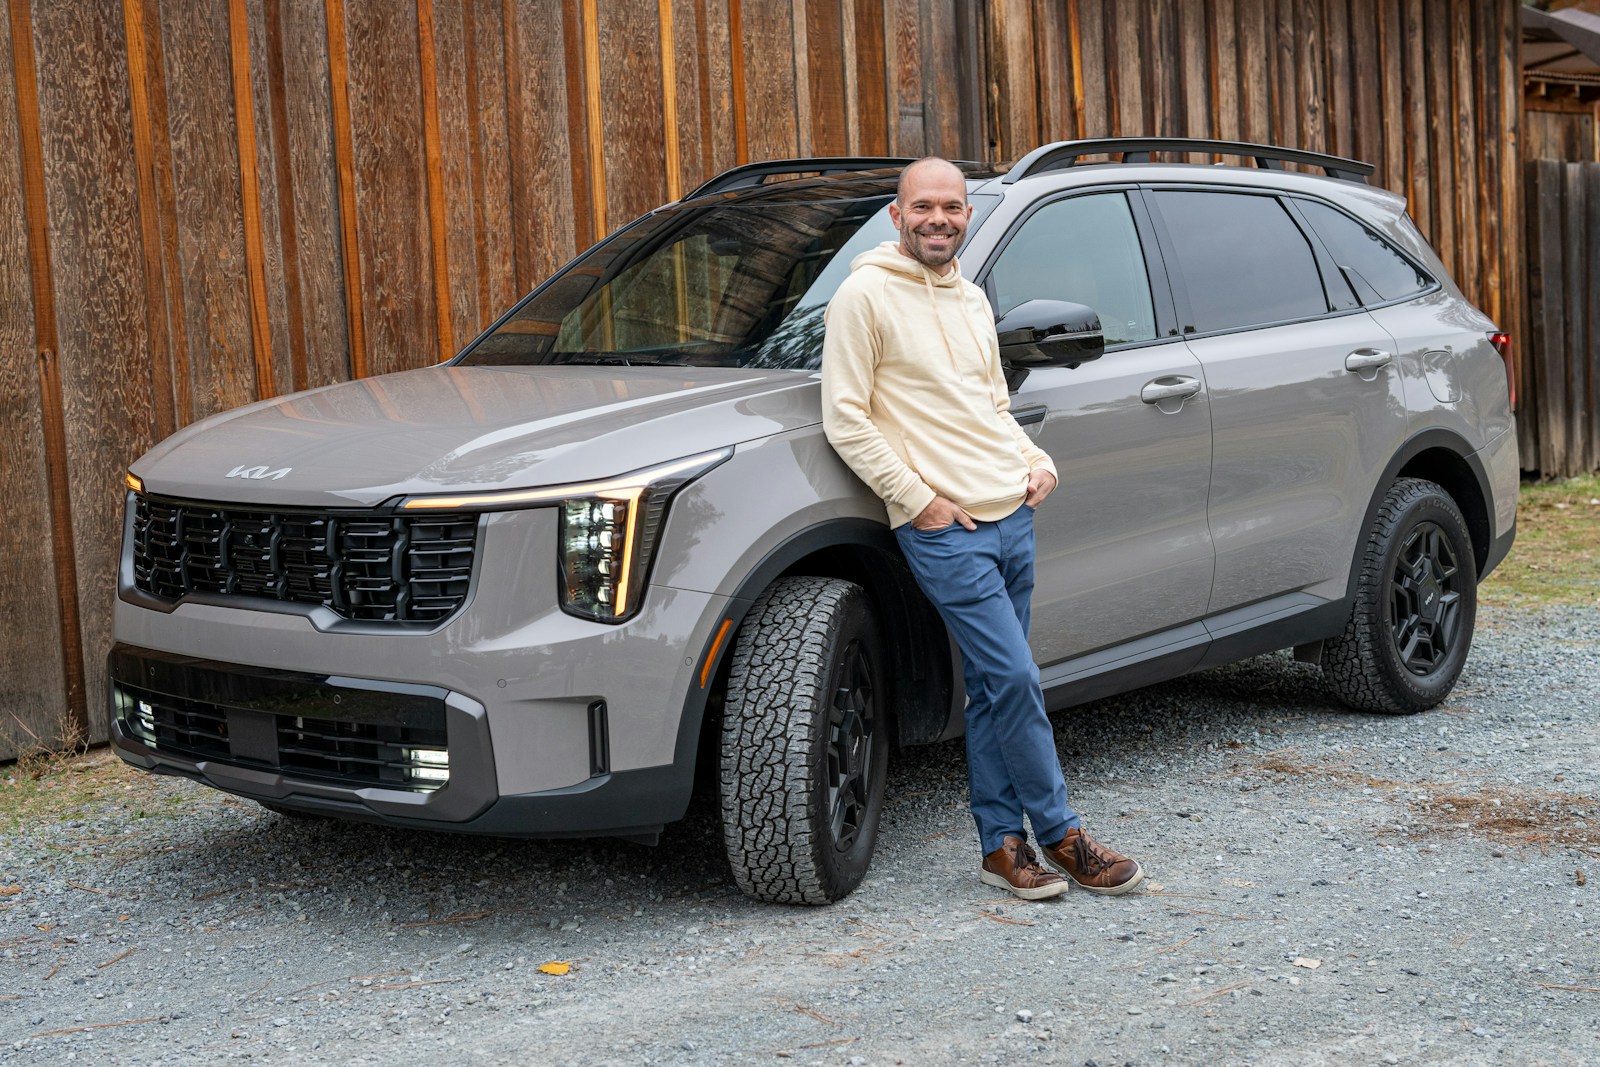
[[242, 471]]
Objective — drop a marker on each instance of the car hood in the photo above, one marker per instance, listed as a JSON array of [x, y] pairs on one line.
[[456, 429]]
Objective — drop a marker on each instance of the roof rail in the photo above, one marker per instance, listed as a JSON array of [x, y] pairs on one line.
[[1064, 154], [751, 174]]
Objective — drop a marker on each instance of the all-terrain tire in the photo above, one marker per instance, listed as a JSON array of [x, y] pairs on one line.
[[804, 743], [1416, 600]]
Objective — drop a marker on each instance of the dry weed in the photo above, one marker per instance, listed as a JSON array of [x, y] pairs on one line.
[[1523, 816]]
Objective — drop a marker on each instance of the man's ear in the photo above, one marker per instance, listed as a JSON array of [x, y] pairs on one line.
[[894, 212]]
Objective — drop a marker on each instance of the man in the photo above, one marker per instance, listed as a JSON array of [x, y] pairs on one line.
[[915, 402]]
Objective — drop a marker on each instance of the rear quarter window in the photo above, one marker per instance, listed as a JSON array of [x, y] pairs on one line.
[[1374, 268]]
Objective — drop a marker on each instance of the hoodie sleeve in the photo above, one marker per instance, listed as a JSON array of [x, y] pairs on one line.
[[850, 353]]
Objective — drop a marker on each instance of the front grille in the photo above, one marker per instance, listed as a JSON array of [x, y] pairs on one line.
[[385, 754], [401, 568]]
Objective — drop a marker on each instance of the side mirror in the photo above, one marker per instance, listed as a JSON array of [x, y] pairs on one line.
[[1049, 333]]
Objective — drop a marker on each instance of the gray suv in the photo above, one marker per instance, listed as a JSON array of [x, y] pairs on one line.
[[528, 591]]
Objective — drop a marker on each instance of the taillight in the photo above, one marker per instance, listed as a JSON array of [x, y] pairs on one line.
[[1502, 345]]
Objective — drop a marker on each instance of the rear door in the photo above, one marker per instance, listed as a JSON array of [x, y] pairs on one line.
[[1123, 547], [1307, 403]]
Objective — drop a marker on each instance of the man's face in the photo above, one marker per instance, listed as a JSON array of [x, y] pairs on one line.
[[932, 215]]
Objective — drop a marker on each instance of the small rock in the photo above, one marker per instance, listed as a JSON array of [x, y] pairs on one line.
[[1024, 1016]]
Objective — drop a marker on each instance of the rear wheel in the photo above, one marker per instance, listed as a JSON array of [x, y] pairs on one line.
[[804, 743], [1416, 600]]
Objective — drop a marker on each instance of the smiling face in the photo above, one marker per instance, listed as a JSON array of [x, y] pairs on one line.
[[931, 213]]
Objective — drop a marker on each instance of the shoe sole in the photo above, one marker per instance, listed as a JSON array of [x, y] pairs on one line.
[[1043, 892], [1109, 891]]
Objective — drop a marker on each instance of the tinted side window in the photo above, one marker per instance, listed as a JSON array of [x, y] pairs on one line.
[[1376, 271], [1242, 258], [1086, 250]]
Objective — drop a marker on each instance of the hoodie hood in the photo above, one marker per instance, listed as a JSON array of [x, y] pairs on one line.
[[948, 290], [448, 429]]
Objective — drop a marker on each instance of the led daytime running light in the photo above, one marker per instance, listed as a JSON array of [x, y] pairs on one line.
[[626, 487]]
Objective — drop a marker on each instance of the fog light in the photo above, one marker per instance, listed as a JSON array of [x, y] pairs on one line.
[[138, 716], [427, 764]]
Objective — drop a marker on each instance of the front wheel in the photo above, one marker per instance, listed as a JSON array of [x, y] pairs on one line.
[[804, 743], [1416, 599]]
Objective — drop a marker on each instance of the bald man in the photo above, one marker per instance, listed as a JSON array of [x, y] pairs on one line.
[[915, 402]]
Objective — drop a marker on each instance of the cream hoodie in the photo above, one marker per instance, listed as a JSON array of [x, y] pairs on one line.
[[913, 398]]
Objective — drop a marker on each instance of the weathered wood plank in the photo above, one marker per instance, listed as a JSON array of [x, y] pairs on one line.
[[903, 52], [1162, 89], [1365, 72], [32, 676], [308, 117], [1590, 285], [1195, 87], [718, 133], [461, 301], [1441, 132], [209, 215], [157, 296], [1338, 78], [1097, 118], [1052, 72], [1011, 38], [492, 167], [1466, 140], [1549, 361], [1310, 61], [1576, 283], [1227, 75], [280, 264], [630, 107], [250, 197], [391, 190], [1392, 160], [1414, 82], [90, 197], [551, 213], [1124, 62], [1255, 71]]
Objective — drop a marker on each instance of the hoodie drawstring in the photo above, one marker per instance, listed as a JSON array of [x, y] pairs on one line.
[[966, 320]]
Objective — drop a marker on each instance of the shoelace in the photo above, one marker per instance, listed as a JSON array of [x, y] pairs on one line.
[[1023, 860], [1091, 857]]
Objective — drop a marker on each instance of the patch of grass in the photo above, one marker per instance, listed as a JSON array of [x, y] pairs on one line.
[[67, 784], [1556, 557]]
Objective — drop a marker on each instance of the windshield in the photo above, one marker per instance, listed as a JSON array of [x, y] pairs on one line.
[[726, 285]]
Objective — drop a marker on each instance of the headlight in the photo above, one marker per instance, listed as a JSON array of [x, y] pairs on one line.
[[609, 530]]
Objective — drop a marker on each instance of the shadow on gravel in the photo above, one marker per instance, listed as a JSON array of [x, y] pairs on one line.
[[414, 878]]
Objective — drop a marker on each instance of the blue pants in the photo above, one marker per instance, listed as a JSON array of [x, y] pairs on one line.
[[982, 583]]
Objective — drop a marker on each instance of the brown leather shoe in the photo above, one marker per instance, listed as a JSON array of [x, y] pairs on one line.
[[1013, 866], [1092, 865]]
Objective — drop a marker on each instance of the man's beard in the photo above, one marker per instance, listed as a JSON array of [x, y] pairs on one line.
[[912, 242]]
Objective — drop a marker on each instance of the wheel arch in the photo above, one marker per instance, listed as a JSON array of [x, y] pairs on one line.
[[1445, 458], [921, 656]]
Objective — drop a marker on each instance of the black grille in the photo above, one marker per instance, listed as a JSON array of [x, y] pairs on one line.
[[401, 568]]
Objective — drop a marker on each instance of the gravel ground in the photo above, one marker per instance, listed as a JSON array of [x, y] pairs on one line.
[[1324, 887]]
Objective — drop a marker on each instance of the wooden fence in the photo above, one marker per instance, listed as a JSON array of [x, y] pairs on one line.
[[208, 202], [1564, 300]]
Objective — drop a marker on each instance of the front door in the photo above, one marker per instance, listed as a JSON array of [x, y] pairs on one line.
[[1123, 548]]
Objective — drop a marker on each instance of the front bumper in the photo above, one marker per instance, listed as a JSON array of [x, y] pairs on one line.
[[554, 726]]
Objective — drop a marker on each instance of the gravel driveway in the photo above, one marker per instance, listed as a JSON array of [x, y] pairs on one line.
[[1325, 887]]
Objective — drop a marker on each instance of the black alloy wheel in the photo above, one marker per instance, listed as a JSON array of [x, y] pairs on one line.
[[1425, 607], [852, 741]]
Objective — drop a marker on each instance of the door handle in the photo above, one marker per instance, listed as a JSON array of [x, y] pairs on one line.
[[1028, 416], [1171, 387], [1367, 359]]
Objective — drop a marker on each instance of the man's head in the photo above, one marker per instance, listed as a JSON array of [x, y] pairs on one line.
[[931, 211]]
